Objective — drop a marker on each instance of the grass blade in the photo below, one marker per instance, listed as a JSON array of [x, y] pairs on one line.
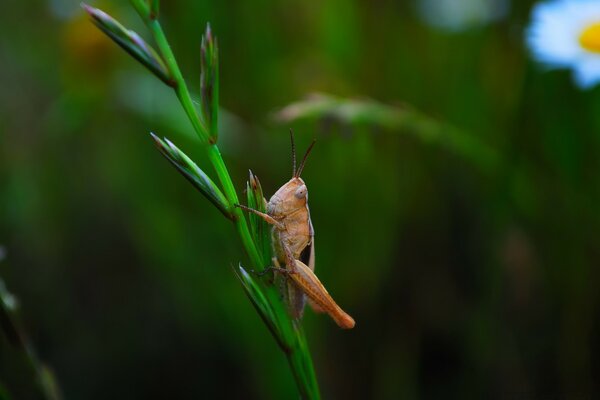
[[320, 106], [131, 42], [194, 174]]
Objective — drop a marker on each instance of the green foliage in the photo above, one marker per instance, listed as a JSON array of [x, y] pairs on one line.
[[463, 274], [209, 82], [40, 380], [368, 112], [261, 231], [193, 174], [131, 42], [265, 298]]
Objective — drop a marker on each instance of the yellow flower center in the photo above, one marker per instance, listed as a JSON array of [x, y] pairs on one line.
[[590, 37]]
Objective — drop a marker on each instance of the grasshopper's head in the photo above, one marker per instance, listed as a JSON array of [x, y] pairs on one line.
[[294, 194], [289, 198]]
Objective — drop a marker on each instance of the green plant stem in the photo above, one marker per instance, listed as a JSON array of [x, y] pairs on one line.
[[45, 383], [213, 153], [298, 354], [302, 368], [180, 87]]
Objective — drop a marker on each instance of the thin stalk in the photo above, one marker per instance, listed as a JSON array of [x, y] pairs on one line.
[[303, 371], [46, 385], [181, 88], [214, 155], [298, 354]]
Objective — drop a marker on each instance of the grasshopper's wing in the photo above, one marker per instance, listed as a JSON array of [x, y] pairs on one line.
[[309, 260], [308, 254], [296, 297], [296, 300]]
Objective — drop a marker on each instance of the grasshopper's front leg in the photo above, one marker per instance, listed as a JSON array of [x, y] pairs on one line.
[[268, 219]]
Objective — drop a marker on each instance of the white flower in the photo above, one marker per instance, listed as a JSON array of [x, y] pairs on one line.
[[566, 34]]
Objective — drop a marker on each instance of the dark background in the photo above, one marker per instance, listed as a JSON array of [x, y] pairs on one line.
[[465, 281]]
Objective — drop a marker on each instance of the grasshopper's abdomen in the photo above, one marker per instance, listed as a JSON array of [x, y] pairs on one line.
[[295, 298]]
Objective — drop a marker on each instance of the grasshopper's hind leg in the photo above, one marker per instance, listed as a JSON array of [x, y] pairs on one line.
[[315, 307], [303, 282]]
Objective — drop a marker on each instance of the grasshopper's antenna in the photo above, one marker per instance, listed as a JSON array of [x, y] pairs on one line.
[[293, 152], [299, 172]]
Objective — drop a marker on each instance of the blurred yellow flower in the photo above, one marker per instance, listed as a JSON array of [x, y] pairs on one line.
[[85, 46]]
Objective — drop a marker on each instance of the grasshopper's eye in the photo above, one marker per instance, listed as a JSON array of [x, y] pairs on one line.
[[301, 192]]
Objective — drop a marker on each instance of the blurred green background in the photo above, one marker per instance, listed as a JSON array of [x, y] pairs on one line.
[[471, 269]]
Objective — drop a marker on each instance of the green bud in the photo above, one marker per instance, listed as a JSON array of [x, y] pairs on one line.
[[194, 174], [256, 292], [131, 42], [261, 231], [154, 6], [209, 83]]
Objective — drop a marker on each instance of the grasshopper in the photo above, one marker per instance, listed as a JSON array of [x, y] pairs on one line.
[[294, 247]]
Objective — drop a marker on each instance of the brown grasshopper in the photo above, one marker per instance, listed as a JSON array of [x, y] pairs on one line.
[[294, 247]]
